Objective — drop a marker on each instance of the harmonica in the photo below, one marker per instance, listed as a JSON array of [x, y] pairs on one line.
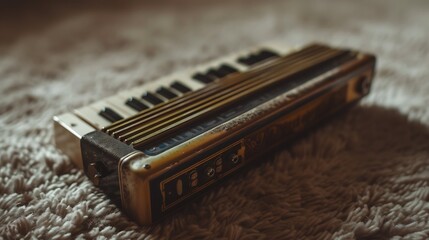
[[153, 148]]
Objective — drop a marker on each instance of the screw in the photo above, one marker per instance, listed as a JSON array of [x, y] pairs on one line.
[[210, 172], [235, 158]]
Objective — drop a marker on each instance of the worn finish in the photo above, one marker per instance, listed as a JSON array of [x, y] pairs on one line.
[[300, 92]]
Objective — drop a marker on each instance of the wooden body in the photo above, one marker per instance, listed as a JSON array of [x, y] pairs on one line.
[[143, 178], [153, 162]]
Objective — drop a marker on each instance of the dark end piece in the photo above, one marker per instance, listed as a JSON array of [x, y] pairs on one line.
[[101, 154]]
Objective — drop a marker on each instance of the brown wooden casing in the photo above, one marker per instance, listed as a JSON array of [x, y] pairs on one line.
[[143, 178]]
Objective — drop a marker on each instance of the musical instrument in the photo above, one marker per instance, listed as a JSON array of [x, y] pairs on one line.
[[154, 147]]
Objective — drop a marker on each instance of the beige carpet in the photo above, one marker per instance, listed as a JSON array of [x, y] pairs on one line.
[[365, 175]]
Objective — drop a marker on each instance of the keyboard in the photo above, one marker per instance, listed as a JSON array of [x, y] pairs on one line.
[[154, 147]]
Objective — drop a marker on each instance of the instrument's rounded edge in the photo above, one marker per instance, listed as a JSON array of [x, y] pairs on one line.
[[134, 187]]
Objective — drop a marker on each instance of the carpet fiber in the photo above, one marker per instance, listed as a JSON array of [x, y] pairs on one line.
[[363, 175]]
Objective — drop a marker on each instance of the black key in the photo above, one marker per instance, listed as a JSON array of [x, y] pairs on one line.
[[265, 54], [227, 69], [242, 60], [110, 115], [203, 78], [152, 98], [136, 104], [258, 57], [180, 87], [222, 71], [216, 73], [166, 93], [250, 60]]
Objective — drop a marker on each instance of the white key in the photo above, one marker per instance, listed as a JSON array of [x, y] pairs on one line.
[[118, 102], [90, 115]]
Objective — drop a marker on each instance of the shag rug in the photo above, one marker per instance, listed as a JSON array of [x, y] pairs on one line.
[[364, 175]]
